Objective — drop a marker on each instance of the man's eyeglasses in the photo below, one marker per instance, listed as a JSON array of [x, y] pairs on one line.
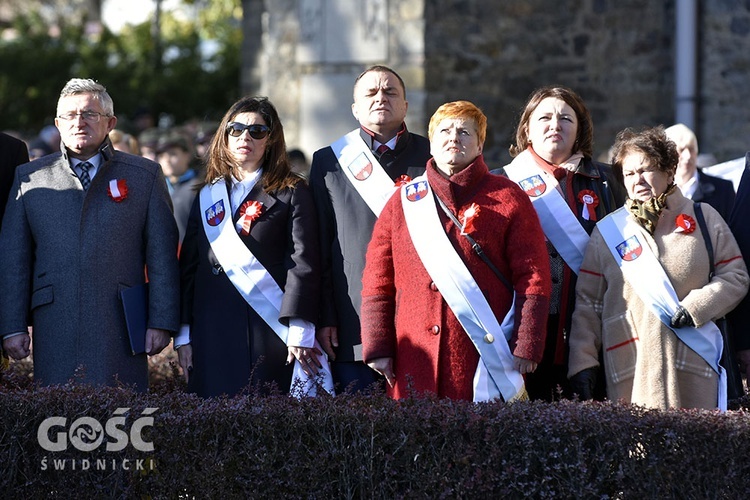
[[256, 131], [88, 116]]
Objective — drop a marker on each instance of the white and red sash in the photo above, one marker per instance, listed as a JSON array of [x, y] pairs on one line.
[[363, 171], [496, 374], [627, 241], [560, 225], [251, 279]]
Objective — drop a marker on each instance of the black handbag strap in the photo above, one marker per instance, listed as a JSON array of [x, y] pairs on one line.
[[474, 245], [706, 238]]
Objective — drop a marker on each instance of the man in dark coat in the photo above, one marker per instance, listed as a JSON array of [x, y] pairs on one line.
[[739, 223], [82, 225], [694, 184], [13, 152], [346, 220]]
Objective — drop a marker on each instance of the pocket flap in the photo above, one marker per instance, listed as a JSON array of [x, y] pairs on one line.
[[42, 296]]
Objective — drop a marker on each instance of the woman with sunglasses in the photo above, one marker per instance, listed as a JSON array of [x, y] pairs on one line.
[[249, 265]]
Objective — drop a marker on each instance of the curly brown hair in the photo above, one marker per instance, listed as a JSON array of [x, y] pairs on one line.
[[652, 143]]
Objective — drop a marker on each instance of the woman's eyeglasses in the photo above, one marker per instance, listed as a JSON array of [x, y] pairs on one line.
[[256, 131]]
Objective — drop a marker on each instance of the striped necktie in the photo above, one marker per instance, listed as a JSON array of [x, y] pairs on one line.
[[85, 179]]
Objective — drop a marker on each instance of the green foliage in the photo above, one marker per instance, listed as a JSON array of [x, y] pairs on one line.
[[170, 76]]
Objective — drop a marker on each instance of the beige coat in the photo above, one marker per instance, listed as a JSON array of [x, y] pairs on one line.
[[644, 361]]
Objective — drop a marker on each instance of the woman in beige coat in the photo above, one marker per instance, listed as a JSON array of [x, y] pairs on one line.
[[651, 355]]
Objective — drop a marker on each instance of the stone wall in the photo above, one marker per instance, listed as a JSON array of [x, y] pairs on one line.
[[617, 54], [724, 78]]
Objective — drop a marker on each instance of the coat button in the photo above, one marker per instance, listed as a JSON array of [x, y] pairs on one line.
[[433, 287], [435, 329], [489, 338]]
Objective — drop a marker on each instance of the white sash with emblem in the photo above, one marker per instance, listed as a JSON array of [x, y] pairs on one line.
[[626, 240], [251, 279], [364, 171], [496, 374], [560, 225]]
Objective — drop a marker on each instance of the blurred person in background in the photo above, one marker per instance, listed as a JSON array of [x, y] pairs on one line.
[[148, 141], [204, 132], [693, 182], [122, 141], [178, 162], [298, 161]]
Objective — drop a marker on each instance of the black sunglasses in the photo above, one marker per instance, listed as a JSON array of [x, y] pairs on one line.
[[256, 131]]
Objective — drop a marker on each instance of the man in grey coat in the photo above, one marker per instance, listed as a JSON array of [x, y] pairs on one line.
[[79, 227]]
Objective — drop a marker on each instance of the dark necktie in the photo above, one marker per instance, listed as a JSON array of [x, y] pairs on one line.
[[382, 149], [85, 179], [559, 173]]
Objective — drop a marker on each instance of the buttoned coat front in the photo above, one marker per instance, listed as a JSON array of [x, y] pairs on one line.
[[405, 317], [67, 253]]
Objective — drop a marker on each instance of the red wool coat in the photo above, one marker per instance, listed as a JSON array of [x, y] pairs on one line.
[[406, 318]]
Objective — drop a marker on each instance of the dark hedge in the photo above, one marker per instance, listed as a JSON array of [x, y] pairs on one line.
[[367, 446]]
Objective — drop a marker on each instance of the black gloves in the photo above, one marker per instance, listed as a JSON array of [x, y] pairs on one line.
[[681, 318], [584, 382]]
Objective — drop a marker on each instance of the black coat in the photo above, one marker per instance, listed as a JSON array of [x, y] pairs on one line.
[[346, 224], [230, 341], [13, 152], [739, 223], [719, 193]]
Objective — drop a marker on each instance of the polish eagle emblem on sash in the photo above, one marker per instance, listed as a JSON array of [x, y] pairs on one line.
[[630, 249], [416, 190], [534, 186], [361, 168], [215, 213]]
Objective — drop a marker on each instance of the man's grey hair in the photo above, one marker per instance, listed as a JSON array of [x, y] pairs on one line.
[[77, 86]]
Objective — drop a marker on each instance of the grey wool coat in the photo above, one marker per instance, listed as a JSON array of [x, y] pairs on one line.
[[67, 253]]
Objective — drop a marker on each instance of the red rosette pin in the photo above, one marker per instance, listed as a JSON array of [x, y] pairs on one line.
[[590, 201], [117, 189], [685, 224], [403, 180], [250, 211], [467, 217]]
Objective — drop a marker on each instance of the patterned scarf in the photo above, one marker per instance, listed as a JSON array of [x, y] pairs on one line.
[[647, 213]]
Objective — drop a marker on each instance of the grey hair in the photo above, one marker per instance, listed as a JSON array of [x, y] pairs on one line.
[[76, 86]]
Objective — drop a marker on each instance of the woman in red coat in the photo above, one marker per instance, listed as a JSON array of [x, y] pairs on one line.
[[410, 333]]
